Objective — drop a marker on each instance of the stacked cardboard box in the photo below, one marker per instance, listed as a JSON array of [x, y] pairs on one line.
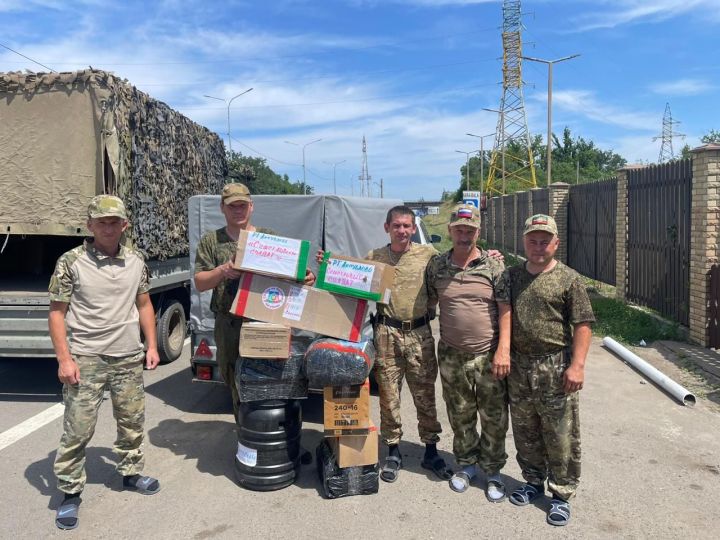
[[350, 448]]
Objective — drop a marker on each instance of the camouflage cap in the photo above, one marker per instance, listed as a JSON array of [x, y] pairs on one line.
[[540, 222], [235, 192], [106, 206], [465, 214]]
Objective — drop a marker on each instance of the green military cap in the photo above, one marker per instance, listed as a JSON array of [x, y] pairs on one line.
[[540, 222], [106, 206], [465, 214], [235, 192]]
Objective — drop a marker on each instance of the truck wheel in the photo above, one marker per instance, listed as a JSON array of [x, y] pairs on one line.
[[171, 331]]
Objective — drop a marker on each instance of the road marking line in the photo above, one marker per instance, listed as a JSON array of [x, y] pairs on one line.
[[25, 428]]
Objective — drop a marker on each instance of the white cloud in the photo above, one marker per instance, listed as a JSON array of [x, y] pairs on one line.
[[682, 87], [621, 12], [585, 103]]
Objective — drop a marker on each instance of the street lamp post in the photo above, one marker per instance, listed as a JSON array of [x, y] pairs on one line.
[[303, 155], [334, 166], [549, 115], [467, 168], [228, 112], [482, 156]]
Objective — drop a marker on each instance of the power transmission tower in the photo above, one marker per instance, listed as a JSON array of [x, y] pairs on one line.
[[512, 121], [365, 177], [666, 148]]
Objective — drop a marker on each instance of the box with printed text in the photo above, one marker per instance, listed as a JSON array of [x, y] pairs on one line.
[[272, 255]]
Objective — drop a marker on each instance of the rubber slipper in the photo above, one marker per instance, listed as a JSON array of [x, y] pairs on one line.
[[391, 469], [463, 479], [143, 485], [559, 513], [525, 494], [438, 466], [495, 491], [66, 517]]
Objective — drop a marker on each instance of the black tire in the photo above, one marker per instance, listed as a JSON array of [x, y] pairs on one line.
[[171, 332]]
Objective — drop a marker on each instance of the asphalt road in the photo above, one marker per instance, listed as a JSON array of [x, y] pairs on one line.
[[651, 468]]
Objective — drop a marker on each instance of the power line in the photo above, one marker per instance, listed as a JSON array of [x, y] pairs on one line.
[[27, 57], [264, 155]]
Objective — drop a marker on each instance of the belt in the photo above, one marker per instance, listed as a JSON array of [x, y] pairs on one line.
[[405, 326]]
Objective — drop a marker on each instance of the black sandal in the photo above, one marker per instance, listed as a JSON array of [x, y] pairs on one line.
[[66, 517], [438, 466], [559, 513], [391, 469]]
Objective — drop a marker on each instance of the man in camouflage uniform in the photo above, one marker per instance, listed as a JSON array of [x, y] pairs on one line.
[[405, 346], [473, 352], [99, 302], [214, 270], [551, 318]]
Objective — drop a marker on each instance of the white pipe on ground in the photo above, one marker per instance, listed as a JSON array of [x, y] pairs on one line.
[[663, 381]]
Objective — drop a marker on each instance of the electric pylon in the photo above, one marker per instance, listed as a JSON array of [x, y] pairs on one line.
[[365, 177], [512, 121], [666, 148]]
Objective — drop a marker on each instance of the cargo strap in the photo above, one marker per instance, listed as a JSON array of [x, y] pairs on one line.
[[405, 326]]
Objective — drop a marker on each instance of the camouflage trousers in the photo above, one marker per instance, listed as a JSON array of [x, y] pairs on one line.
[[124, 378], [546, 422], [470, 390], [227, 342], [409, 355]]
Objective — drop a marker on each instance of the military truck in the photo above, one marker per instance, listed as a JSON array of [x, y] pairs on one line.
[[66, 137], [348, 225]]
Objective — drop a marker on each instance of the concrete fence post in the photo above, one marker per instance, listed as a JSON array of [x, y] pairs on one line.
[[704, 236], [558, 195]]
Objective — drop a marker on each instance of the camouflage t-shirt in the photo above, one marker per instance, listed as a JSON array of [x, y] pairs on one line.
[[545, 307], [408, 296], [216, 248], [468, 310]]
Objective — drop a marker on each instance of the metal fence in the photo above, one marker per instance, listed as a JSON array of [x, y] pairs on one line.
[[659, 207], [713, 313], [592, 210], [540, 201]]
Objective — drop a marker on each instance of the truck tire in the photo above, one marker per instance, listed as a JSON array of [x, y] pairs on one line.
[[171, 332]]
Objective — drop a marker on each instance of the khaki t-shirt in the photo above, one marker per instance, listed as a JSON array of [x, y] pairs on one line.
[[408, 295], [468, 311], [101, 291]]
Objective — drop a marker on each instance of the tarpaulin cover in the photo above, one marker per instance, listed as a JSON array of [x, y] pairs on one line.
[[337, 482], [66, 137], [347, 225], [335, 362], [260, 379]]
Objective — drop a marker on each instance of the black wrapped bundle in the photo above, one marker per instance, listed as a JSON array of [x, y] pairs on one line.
[[260, 379], [337, 482], [334, 362]]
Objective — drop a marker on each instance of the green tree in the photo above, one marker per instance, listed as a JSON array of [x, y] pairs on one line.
[[259, 177], [711, 137], [594, 162]]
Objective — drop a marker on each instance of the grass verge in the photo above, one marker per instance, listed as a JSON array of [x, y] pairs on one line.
[[628, 324]]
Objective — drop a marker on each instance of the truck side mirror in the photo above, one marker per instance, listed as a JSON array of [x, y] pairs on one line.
[[435, 238]]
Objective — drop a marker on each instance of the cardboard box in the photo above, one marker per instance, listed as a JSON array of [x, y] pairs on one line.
[[293, 305], [264, 340], [272, 255], [356, 450], [347, 409], [358, 278]]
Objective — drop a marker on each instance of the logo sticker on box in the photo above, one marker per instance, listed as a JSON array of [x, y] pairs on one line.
[[273, 297]]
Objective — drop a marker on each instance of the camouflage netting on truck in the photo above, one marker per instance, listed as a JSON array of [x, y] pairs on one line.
[[69, 136]]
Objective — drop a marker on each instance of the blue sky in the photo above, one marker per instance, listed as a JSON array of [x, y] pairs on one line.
[[410, 75]]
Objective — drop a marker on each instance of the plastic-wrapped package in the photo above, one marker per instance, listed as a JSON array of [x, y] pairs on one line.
[[260, 379], [337, 482], [334, 362]]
